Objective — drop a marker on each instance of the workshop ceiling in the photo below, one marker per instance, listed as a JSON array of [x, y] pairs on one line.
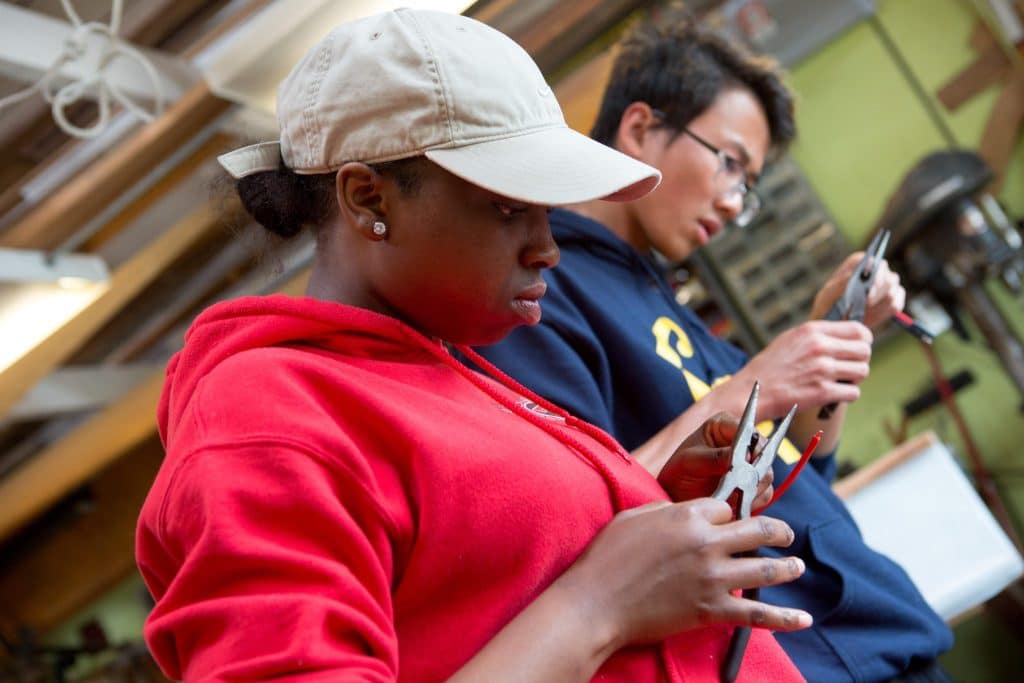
[[81, 358]]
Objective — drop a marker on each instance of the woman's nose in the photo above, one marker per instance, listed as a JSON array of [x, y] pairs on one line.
[[541, 251]]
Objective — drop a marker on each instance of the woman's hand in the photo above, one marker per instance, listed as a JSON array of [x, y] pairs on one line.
[[703, 458], [667, 567], [650, 572]]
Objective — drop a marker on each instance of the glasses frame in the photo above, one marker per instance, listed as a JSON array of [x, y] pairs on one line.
[[752, 202]]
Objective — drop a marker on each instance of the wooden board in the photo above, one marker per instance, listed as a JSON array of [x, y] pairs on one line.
[[1003, 129]]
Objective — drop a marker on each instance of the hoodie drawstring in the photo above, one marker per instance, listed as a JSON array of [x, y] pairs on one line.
[[593, 431], [440, 352]]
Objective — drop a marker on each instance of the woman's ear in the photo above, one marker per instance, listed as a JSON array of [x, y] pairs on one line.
[[361, 202], [636, 126]]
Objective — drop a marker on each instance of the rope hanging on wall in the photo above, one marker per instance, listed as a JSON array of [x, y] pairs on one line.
[[95, 83]]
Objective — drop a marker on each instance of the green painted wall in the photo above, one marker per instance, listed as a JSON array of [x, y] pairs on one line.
[[861, 129]]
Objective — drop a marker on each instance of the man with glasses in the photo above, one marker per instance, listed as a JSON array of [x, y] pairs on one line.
[[615, 348], [732, 176]]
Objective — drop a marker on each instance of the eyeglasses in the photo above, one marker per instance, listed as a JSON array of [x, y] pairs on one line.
[[731, 178]]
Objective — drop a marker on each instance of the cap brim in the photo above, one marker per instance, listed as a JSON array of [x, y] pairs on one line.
[[549, 166], [245, 161]]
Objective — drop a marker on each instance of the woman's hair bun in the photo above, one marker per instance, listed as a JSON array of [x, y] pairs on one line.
[[284, 201]]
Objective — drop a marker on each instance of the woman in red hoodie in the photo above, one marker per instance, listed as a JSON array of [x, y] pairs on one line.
[[342, 499]]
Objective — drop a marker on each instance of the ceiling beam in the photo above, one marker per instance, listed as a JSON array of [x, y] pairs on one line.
[[125, 283], [194, 288], [83, 197], [31, 42], [291, 268], [555, 33], [224, 21], [143, 23], [161, 21], [580, 92], [30, 265], [570, 27], [66, 561], [514, 18], [69, 463], [101, 440], [76, 389], [183, 169], [488, 11]]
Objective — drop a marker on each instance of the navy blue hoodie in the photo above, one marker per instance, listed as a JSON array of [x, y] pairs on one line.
[[614, 348]]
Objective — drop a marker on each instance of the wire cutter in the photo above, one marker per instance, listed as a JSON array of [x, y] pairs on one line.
[[851, 305], [744, 476]]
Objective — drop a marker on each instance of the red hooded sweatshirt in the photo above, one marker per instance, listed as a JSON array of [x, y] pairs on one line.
[[342, 500]]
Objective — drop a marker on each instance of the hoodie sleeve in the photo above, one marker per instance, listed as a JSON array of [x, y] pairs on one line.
[[269, 564]]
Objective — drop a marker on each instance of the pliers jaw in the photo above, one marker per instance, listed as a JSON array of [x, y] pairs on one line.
[[852, 304], [745, 435], [775, 442], [744, 476]]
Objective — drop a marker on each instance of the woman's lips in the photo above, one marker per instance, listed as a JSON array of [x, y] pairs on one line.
[[527, 303]]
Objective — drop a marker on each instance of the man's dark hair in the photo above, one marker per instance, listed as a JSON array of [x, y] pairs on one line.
[[679, 67]]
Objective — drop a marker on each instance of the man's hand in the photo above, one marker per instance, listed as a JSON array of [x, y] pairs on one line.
[[699, 463], [804, 365], [886, 297]]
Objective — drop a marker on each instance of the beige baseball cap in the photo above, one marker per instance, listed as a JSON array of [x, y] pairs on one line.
[[415, 82]]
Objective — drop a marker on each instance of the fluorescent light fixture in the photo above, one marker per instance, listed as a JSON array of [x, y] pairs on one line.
[[32, 312], [69, 270]]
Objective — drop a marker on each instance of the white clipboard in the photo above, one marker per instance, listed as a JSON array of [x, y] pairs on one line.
[[916, 505]]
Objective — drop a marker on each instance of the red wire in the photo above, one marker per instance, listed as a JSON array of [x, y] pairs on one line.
[[796, 471], [903, 318]]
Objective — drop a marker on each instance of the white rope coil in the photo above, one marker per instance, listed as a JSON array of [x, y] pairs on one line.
[[95, 83]]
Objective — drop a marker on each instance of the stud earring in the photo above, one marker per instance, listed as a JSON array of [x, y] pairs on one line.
[[379, 229]]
